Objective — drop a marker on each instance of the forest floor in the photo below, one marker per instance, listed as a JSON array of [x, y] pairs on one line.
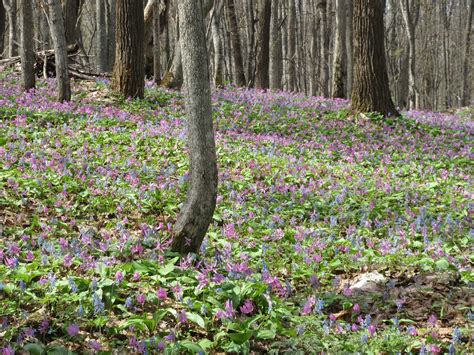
[[332, 232]]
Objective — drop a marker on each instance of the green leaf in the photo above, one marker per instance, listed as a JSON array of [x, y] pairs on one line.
[[34, 349], [165, 270], [197, 319], [266, 334], [241, 337], [193, 347], [442, 264], [205, 344]]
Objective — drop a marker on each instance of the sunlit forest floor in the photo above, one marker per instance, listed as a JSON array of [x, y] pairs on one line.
[[333, 232]]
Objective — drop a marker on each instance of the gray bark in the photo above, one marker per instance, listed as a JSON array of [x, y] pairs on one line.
[[10, 7], [102, 46], [276, 57], [263, 52], [58, 35], [196, 214], [236, 45], [339, 64], [349, 49], [110, 19], [466, 96], [324, 73], [217, 42], [156, 42], [27, 46], [291, 59]]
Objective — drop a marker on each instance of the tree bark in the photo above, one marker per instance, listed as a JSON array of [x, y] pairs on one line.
[[27, 45], [324, 37], [2, 28], [129, 69], [410, 16], [101, 49], [250, 21], [71, 12], [10, 7], [173, 78], [218, 45], [263, 51], [156, 42], [371, 92], [196, 214], [466, 95], [110, 19], [236, 46], [349, 48], [291, 60], [58, 35], [276, 61], [339, 64]]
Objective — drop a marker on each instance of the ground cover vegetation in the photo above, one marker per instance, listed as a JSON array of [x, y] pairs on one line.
[[313, 201]]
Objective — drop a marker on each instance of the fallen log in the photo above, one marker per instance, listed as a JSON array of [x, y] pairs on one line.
[[72, 50]]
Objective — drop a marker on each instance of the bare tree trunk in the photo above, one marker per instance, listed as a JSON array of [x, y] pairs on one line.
[[173, 78], [2, 28], [110, 19], [410, 16], [102, 46], [71, 12], [27, 46], [156, 42], [322, 8], [276, 57], [196, 214], [314, 72], [236, 46], [339, 64], [291, 46], [217, 42], [248, 6], [10, 7], [263, 50], [371, 92], [58, 35], [466, 95], [349, 48], [128, 77]]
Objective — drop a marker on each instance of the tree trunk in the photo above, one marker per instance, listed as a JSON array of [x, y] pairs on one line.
[[27, 45], [10, 7], [466, 95], [217, 42], [324, 37], [236, 46], [263, 52], [349, 48], [58, 35], [276, 61], [410, 16], [196, 214], [71, 12], [110, 19], [156, 42], [101, 34], [314, 66], [129, 69], [250, 20], [371, 92], [339, 64], [173, 78], [2, 28], [291, 59]]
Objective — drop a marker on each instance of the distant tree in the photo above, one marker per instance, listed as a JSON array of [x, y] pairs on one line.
[[27, 49], [218, 43], [10, 7], [370, 91], [58, 35], [465, 65], [236, 46], [128, 76], [262, 78], [2, 28], [291, 57], [156, 41], [101, 44], [71, 10], [339, 70], [276, 57], [198, 209]]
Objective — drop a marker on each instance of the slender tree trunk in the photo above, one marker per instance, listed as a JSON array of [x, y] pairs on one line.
[[196, 214], [339, 64], [466, 95], [27, 45], [2, 28], [410, 16], [110, 19], [217, 42], [129, 69], [58, 35], [314, 72], [236, 45], [349, 48], [263, 50], [324, 37], [156, 42], [70, 13], [173, 78], [248, 6], [10, 7], [291, 46], [101, 34], [371, 92], [276, 57]]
